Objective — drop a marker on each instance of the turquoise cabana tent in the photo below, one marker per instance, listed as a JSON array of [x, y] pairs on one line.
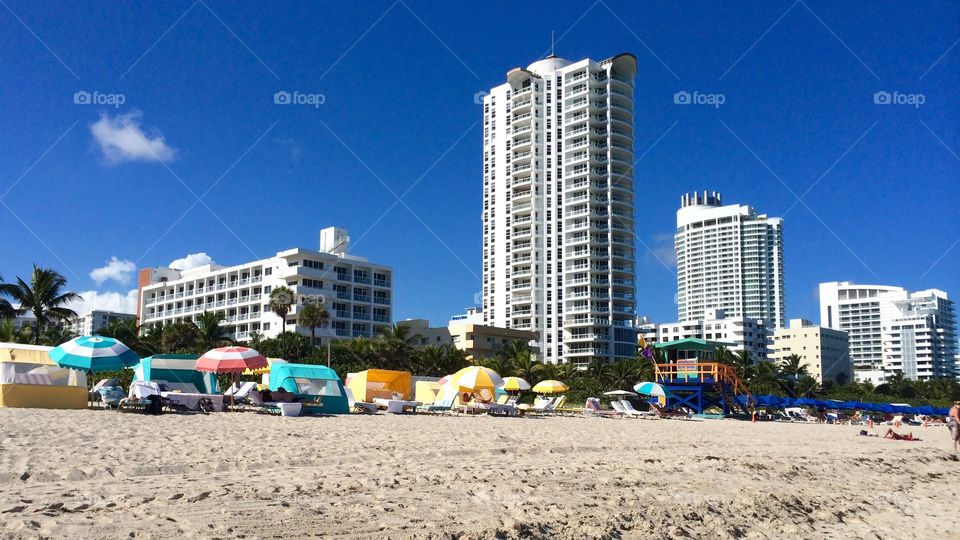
[[177, 371], [313, 383]]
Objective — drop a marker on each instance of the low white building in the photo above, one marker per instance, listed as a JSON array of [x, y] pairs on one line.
[[919, 336], [357, 294], [893, 330], [747, 334], [92, 321], [824, 351]]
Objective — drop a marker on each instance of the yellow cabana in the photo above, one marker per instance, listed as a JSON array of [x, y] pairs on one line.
[[379, 383], [30, 379], [427, 392]]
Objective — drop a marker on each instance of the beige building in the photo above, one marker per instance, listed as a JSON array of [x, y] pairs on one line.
[[825, 352], [467, 333]]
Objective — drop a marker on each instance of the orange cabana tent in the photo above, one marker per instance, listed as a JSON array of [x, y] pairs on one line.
[[379, 383]]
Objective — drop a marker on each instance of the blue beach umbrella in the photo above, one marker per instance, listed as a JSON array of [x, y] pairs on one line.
[[93, 354]]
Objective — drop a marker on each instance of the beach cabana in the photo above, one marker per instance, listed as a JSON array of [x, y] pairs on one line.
[[178, 372], [312, 383], [29, 378], [427, 392], [379, 383]]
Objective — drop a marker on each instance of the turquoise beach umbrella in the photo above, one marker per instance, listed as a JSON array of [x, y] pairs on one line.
[[93, 354], [651, 389]]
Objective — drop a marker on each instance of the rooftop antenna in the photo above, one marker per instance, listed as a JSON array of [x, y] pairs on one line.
[[552, 52]]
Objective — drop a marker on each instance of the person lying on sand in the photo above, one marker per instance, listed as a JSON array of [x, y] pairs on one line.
[[865, 433], [891, 434]]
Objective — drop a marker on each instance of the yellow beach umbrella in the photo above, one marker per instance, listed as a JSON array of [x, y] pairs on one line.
[[477, 380], [515, 384], [550, 387]]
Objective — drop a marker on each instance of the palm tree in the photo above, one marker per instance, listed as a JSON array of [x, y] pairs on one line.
[[127, 331], [7, 333], [526, 366], [624, 374], [513, 349], [45, 297], [791, 369], [313, 315], [7, 311], [212, 333], [281, 299], [599, 369], [566, 371], [396, 346], [56, 335]]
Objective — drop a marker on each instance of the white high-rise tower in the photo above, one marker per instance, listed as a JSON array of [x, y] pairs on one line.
[[558, 185], [730, 258]]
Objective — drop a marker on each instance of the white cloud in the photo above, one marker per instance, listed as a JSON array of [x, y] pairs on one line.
[[117, 270], [109, 301], [120, 139], [663, 250], [191, 261]]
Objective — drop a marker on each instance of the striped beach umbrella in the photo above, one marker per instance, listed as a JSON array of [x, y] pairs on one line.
[[93, 354], [230, 360], [651, 389], [550, 386], [515, 384], [476, 378]]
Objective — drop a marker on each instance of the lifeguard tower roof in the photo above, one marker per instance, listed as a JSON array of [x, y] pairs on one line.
[[693, 344]]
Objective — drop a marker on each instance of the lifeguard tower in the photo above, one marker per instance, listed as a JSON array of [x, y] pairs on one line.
[[697, 381]]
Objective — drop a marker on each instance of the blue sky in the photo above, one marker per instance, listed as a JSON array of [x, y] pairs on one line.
[[82, 184]]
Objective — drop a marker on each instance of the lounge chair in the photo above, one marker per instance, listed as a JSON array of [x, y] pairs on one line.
[[443, 406], [617, 406], [665, 412], [540, 406], [111, 396], [362, 407], [644, 414], [592, 408], [103, 383]]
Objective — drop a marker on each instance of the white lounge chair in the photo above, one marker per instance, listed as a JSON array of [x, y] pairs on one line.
[[540, 406], [360, 406], [627, 406], [592, 408]]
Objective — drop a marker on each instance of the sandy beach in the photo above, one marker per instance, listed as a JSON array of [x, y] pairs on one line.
[[99, 474]]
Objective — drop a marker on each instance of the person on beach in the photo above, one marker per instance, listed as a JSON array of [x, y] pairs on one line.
[[891, 434], [953, 422]]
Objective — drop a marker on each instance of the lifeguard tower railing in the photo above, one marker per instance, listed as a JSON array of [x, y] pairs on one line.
[[683, 374]]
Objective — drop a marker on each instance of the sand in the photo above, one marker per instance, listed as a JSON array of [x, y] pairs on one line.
[[99, 474]]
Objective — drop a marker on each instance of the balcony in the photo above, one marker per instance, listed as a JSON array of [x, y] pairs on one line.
[[521, 168], [381, 301], [381, 283]]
